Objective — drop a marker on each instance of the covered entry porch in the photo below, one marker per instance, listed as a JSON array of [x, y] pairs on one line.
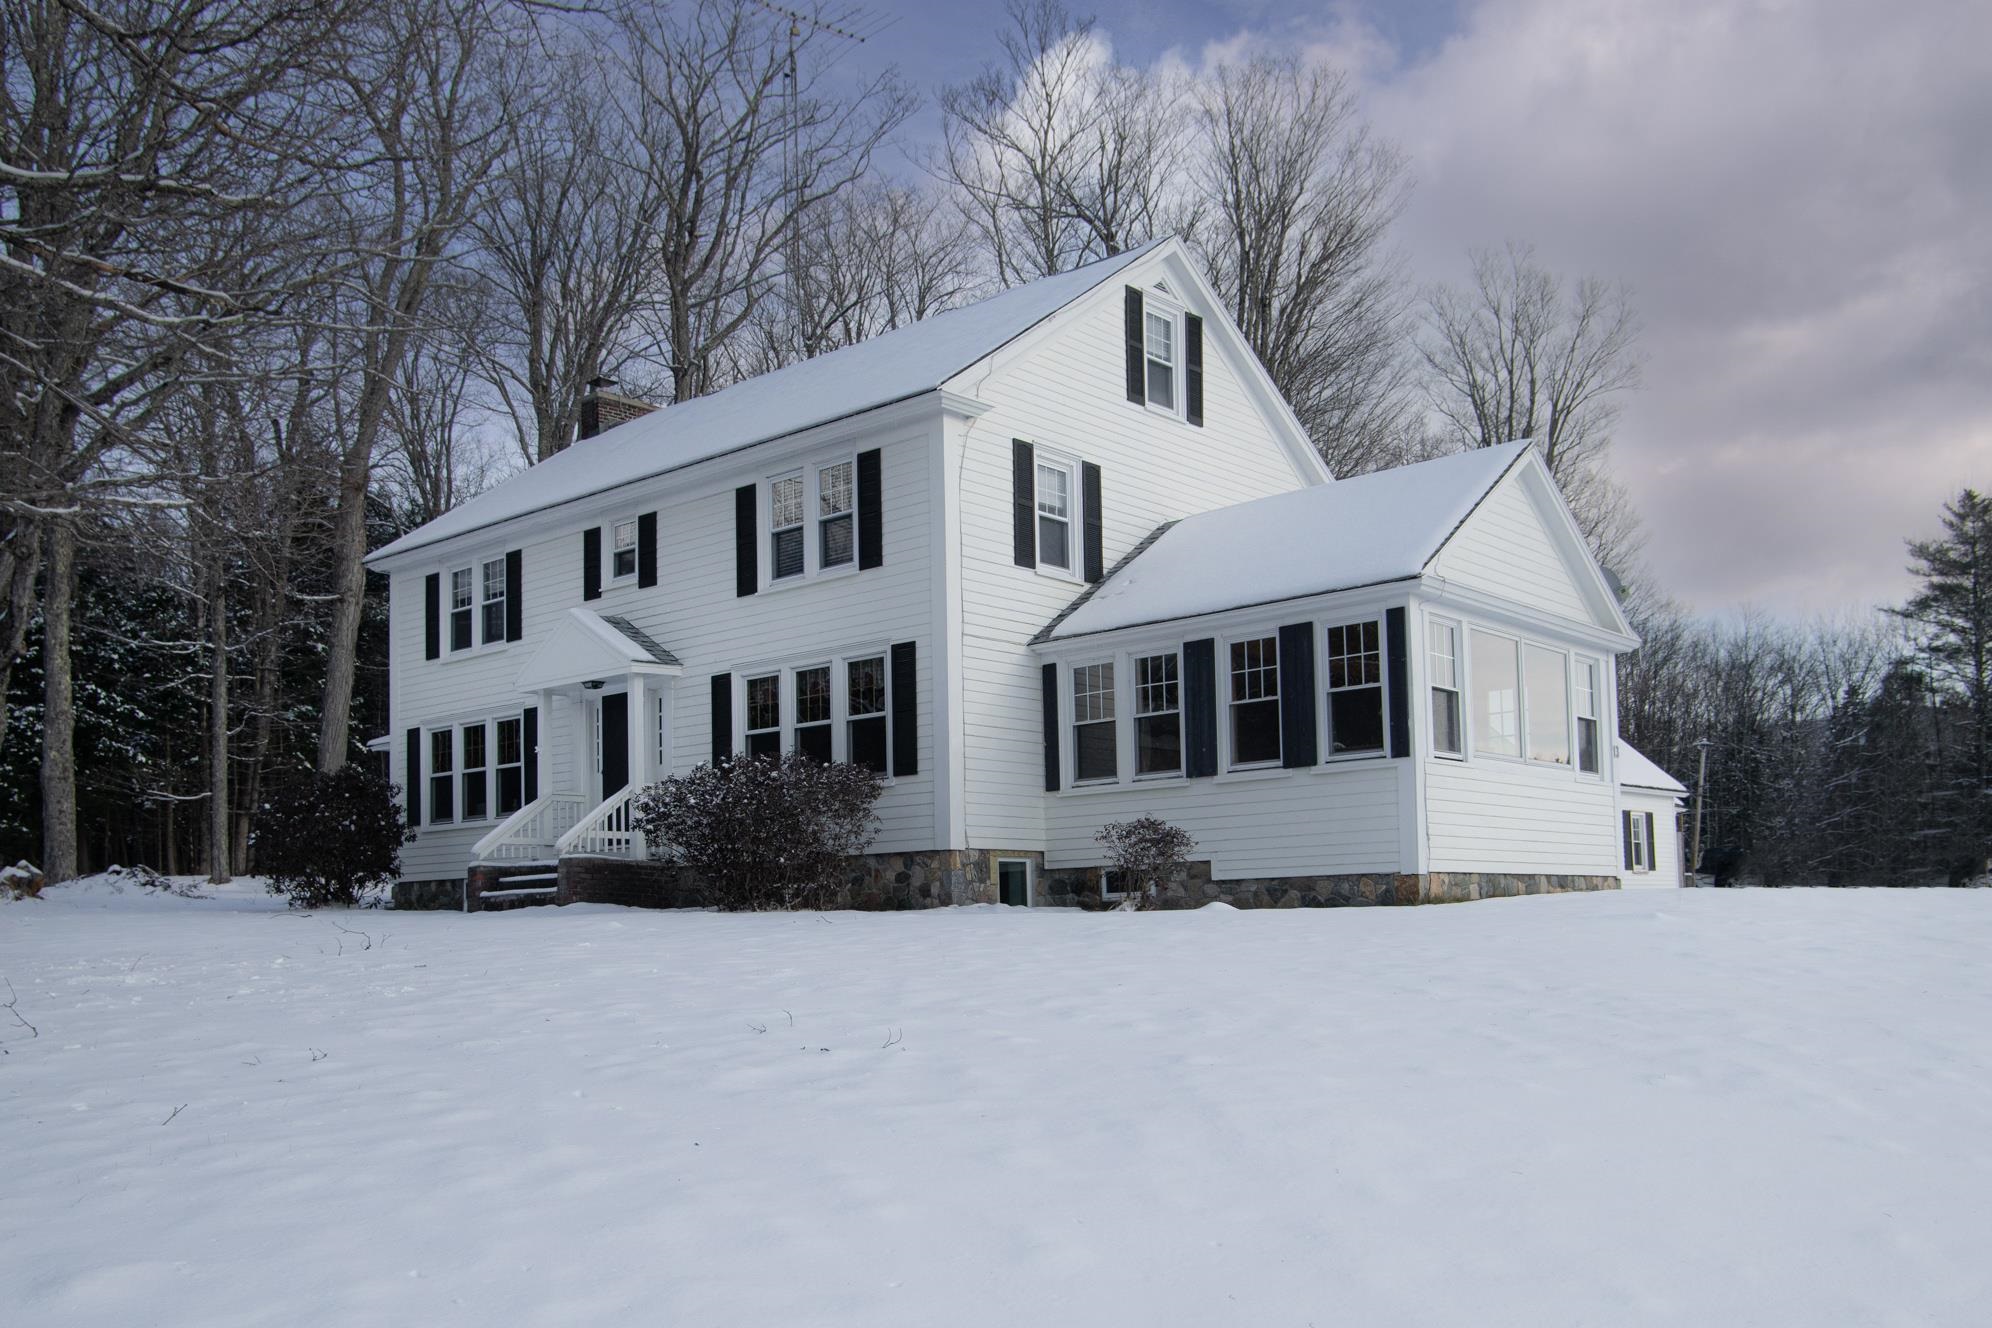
[[603, 688]]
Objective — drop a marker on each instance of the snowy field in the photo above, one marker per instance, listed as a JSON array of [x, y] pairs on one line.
[[1710, 1108]]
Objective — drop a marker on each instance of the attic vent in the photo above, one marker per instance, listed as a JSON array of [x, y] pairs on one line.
[[1163, 286]]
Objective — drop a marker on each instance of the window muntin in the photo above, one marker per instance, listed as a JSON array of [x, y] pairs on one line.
[[813, 720], [474, 775], [494, 601], [442, 775], [864, 706], [463, 591], [785, 525], [1547, 704], [1054, 508], [1255, 701], [764, 715], [1095, 737], [1158, 714], [1587, 703], [511, 768], [1442, 663], [836, 496], [622, 554], [1160, 350], [1355, 688], [1497, 694]]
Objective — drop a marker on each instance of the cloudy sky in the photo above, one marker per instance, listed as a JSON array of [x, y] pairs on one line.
[[1798, 192]]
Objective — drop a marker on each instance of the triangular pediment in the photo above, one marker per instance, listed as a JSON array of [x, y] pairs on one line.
[[585, 647]]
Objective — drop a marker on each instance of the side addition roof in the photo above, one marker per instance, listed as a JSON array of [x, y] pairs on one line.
[[1357, 532], [898, 365], [1636, 770]]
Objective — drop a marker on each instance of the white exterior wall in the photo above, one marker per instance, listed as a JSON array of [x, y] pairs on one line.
[[1665, 807], [1504, 549], [1066, 394], [694, 612]]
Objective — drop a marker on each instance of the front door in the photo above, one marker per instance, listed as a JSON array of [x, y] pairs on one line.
[[615, 743]]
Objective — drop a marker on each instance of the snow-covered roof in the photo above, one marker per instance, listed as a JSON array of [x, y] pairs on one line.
[[1635, 770], [1357, 532], [903, 363], [639, 639]]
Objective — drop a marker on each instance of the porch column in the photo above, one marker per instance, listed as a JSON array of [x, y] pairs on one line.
[[544, 755], [642, 738]]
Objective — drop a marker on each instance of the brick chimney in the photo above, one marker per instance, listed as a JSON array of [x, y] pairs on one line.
[[602, 409]]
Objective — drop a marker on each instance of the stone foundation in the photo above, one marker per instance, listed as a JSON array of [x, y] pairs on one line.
[[878, 882], [428, 894], [1193, 888]]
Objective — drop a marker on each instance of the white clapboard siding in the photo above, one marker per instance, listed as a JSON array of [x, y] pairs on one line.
[[1505, 549], [1667, 849], [1490, 815], [1292, 823], [1068, 395]]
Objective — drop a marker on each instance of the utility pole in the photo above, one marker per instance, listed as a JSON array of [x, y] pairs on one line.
[[1701, 788]]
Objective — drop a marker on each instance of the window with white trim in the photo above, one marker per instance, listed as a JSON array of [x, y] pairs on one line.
[[442, 775], [814, 726], [474, 776], [511, 765], [785, 509], [1588, 701], [1095, 739], [1355, 688], [494, 601], [1442, 663], [764, 715], [1255, 701], [622, 550], [864, 708], [1158, 714], [1160, 340], [463, 591], [1497, 694], [1639, 844], [1056, 489], [836, 520], [1546, 702]]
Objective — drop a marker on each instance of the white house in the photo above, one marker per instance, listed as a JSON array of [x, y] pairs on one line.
[[1049, 561], [1649, 822]]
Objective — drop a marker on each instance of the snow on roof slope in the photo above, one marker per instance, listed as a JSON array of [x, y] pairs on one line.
[[1356, 532], [899, 364], [1636, 770]]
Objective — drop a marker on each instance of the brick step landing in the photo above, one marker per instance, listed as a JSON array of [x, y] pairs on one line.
[[524, 885]]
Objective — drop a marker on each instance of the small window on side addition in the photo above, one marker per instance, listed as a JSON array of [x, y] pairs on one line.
[[1095, 741], [623, 558]]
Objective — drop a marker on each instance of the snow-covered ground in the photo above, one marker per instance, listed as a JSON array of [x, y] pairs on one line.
[[1707, 1107]]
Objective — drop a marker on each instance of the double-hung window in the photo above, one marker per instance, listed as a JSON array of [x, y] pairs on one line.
[[1639, 843], [622, 554], [764, 715], [1159, 346], [476, 792], [1547, 703], [511, 766], [1054, 515], [1355, 689], [864, 706], [494, 600], [1587, 715], [1158, 715], [442, 774], [836, 492], [1497, 694], [785, 525], [813, 724], [463, 626], [1442, 662], [1095, 741], [1255, 701]]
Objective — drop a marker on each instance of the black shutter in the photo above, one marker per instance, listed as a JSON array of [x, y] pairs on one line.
[[905, 710], [1023, 502], [515, 591], [1652, 845], [1399, 674], [722, 717], [1200, 708], [746, 572], [1193, 367], [871, 518], [1051, 728], [1298, 746], [432, 615], [1089, 498], [591, 563], [646, 550], [414, 789], [1625, 833], [529, 724], [1137, 361]]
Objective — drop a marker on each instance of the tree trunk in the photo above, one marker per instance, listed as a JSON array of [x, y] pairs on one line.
[[218, 838], [22, 565], [58, 767]]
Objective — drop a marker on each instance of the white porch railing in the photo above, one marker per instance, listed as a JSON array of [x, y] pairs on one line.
[[531, 833], [607, 832]]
